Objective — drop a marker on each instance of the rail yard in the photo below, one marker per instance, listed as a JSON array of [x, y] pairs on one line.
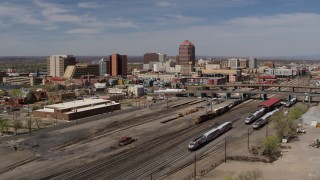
[[141, 143]]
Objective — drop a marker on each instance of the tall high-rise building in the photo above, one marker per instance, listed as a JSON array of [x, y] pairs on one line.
[[150, 57], [117, 65], [57, 64], [102, 66], [186, 54], [233, 63], [153, 57], [253, 63]]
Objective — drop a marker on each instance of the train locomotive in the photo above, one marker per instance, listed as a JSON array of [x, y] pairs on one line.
[[209, 136]]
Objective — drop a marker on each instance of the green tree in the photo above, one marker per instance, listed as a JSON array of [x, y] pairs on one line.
[[31, 98], [286, 125], [16, 93], [35, 107], [4, 123], [297, 111], [203, 87], [50, 101], [3, 93], [271, 145], [16, 126]]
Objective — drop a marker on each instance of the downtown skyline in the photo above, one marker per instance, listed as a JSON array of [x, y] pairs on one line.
[[216, 27]]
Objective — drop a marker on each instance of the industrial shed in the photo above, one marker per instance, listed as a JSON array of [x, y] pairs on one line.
[[271, 103], [77, 109]]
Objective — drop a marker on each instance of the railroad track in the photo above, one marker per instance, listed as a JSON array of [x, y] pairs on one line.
[[135, 122], [118, 165]]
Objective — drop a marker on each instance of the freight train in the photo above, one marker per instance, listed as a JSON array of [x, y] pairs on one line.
[[263, 120], [216, 112], [209, 136]]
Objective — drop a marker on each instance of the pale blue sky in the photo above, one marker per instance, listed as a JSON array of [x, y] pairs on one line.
[[134, 27]]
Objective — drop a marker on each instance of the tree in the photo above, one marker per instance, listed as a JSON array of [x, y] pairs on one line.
[[16, 92], [16, 126], [31, 98], [4, 123], [203, 87], [35, 107], [287, 124], [271, 145], [254, 174], [37, 121], [29, 125]]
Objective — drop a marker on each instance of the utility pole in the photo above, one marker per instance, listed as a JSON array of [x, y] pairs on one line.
[[195, 165], [267, 130], [225, 150], [248, 137]]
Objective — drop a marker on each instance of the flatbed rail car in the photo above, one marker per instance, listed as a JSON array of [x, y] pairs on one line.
[[181, 104], [209, 136]]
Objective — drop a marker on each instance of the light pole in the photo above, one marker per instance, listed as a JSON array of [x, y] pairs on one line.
[[195, 165]]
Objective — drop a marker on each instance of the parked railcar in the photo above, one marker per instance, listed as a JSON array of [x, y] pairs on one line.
[[263, 120], [225, 127], [256, 115], [291, 102], [205, 117], [209, 136]]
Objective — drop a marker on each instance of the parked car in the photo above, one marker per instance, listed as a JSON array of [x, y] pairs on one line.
[[300, 130]]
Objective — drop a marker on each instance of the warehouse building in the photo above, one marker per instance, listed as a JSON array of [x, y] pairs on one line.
[[77, 109]]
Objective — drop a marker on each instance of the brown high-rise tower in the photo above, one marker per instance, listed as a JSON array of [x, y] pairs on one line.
[[186, 53], [117, 65]]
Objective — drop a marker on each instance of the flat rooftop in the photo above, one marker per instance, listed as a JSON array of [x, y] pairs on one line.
[[77, 103]]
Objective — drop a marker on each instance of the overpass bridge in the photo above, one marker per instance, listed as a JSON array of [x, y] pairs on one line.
[[256, 89], [247, 93], [262, 87]]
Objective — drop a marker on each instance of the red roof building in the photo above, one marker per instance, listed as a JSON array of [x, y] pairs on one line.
[[270, 103]]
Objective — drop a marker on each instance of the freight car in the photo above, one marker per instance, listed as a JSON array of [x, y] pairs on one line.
[[209, 136], [205, 117], [218, 111]]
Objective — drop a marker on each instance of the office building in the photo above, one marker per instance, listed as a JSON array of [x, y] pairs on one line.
[[57, 64], [81, 70], [102, 66], [233, 63], [186, 54], [154, 57], [117, 65], [243, 63], [253, 63]]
